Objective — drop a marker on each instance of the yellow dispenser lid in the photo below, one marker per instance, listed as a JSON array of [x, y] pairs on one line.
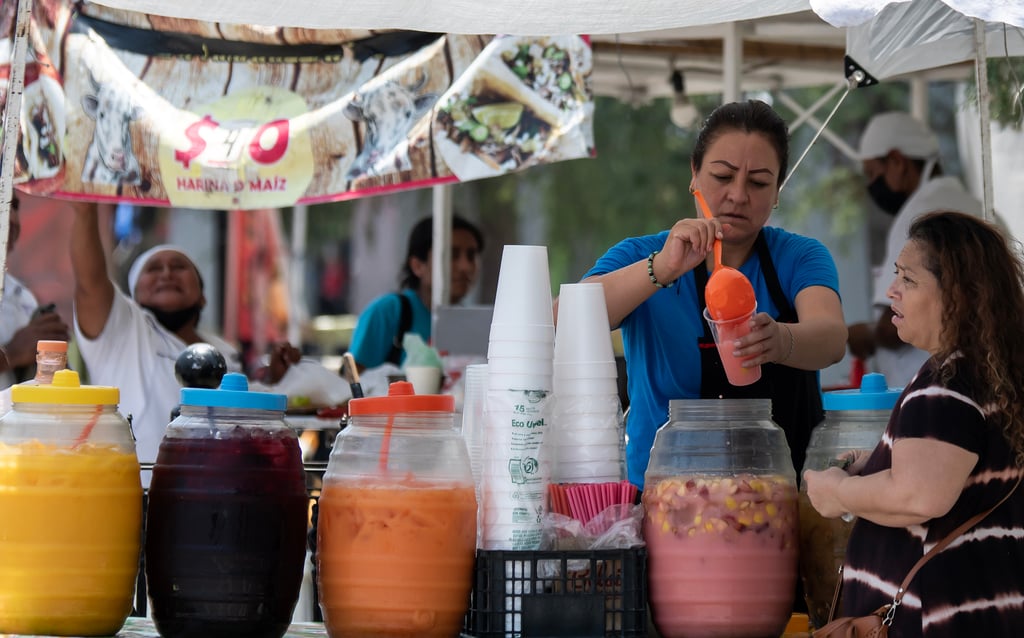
[[66, 389]]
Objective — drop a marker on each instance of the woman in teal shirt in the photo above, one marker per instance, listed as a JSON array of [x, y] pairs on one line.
[[378, 335]]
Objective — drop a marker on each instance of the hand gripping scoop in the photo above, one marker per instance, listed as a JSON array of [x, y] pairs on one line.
[[728, 294]]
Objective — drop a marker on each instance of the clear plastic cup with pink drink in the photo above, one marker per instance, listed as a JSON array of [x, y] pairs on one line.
[[726, 333]]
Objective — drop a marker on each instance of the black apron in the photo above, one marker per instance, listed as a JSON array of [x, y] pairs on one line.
[[795, 396]]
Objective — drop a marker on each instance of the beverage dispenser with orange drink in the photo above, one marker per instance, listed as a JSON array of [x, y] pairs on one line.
[[227, 519], [397, 525], [70, 510]]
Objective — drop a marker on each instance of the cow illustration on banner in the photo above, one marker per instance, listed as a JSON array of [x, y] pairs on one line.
[[125, 106]]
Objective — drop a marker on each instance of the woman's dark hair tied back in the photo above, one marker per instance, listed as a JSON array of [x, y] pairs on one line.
[[752, 116]]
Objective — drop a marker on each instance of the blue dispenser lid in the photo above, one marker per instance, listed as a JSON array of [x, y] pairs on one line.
[[233, 393], [873, 394]]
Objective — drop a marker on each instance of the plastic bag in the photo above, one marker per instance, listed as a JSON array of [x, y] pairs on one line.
[[307, 383], [418, 353], [375, 381], [618, 526]]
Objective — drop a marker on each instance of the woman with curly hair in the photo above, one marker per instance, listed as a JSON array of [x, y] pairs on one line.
[[953, 448]]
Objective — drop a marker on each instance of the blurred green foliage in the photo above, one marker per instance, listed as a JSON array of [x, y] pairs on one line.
[[1005, 89]]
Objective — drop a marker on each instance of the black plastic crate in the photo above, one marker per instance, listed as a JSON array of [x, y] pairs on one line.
[[559, 594]]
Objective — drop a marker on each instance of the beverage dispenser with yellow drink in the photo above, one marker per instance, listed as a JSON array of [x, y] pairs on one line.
[[70, 510]]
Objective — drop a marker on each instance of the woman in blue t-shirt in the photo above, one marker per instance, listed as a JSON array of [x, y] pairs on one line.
[[654, 287]]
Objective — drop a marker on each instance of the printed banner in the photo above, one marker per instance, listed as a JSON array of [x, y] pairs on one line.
[[145, 109]]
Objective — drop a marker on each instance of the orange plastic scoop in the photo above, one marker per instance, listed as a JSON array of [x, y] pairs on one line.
[[728, 294]]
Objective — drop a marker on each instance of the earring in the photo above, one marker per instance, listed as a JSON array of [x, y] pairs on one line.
[[692, 189], [775, 205]]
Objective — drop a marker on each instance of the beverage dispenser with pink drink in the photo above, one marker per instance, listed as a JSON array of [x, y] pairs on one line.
[[720, 521]]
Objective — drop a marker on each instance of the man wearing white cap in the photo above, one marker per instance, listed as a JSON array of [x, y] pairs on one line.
[[900, 158], [133, 342]]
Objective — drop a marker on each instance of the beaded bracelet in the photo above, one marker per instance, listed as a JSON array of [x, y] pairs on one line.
[[650, 272]]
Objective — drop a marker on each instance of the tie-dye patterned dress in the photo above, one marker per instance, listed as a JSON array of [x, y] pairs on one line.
[[975, 587]]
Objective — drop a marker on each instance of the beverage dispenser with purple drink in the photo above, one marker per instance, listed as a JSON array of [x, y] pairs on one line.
[[227, 519]]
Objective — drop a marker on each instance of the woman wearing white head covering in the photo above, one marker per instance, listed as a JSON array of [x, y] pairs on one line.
[[133, 342]]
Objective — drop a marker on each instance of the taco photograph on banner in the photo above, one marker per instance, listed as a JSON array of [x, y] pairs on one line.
[[556, 68], [523, 102]]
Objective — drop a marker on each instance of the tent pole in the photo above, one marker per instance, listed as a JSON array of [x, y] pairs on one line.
[[919, 98], [820, 128], [232, 273], [803, 114], [297, 313], [981, 78], [11, 122], [732, 63], [441, 249]]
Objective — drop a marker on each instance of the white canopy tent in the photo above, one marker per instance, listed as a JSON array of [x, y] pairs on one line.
[[520, 17], [888, 39], [637, 43]]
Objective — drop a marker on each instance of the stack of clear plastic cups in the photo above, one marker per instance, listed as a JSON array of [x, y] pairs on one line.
[[588, 413], [515, 465], [474, 402]]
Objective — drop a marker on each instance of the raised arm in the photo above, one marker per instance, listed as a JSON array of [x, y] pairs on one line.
[[94, 292], [688, 243]]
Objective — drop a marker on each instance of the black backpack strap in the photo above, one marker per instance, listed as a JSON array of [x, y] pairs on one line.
[[404, 325]]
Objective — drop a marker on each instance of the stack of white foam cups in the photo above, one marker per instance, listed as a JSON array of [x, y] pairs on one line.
[[515, 462], [587, 413]]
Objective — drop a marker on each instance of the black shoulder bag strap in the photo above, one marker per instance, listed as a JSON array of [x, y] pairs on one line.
[[404, 325]]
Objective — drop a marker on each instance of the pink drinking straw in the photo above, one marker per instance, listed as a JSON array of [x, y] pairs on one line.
[[576, 505], [83, 436]]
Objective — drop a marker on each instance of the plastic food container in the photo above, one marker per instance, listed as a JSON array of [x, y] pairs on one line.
[[70, 511], [397, 522], [720, 521], [228, 514]]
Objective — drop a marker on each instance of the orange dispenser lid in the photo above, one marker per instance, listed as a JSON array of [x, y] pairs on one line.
[[51, 346], [401, 399]]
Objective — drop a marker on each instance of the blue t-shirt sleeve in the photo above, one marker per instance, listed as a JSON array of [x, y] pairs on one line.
[[375, 331], [626, 252], [802, 262]]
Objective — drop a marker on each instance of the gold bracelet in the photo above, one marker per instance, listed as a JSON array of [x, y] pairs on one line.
[[792, 342]]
